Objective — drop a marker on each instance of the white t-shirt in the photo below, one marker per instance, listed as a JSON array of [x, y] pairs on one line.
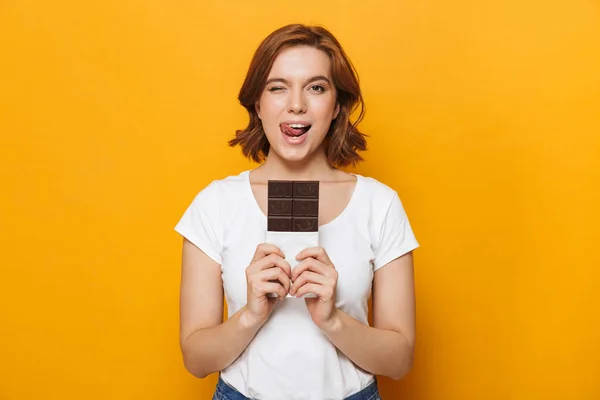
[[290, 358]]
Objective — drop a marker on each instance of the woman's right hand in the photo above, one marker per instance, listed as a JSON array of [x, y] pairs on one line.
[[267, 273]]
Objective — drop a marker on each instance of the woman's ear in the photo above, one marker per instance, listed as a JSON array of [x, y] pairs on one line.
[[337, 110], [257, 109]]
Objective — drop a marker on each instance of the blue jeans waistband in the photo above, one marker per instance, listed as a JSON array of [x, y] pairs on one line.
[[224, 391]]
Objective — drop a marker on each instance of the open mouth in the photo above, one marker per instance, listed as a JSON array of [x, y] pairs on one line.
[[294, 130]]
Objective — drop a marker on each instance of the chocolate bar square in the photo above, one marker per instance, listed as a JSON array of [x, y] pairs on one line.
[[293, 206]]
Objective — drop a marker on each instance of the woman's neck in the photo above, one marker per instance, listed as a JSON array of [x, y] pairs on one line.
[[315, 168]]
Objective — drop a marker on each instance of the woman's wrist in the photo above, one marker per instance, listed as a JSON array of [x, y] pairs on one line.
[[333, 323], [249, 320]]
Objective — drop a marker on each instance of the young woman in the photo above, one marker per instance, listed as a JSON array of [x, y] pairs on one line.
[[299, 92]]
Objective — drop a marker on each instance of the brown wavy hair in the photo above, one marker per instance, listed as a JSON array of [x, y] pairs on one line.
[[343, 140]]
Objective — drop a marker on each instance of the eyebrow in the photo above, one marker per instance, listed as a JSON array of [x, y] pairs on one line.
[[310, 80]]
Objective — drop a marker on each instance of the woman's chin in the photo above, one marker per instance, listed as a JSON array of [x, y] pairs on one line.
[[292, 155]]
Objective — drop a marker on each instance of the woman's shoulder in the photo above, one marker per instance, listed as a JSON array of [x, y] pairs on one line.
[[224, 187], [228, 182], [376, 190], [232, 182]]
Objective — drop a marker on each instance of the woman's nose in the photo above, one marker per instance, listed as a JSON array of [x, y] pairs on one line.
[[296, 104]]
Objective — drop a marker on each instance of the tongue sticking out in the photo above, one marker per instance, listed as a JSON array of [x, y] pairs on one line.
[[288, 130]]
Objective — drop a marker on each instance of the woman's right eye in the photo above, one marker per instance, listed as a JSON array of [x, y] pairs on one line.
[[275, 89]]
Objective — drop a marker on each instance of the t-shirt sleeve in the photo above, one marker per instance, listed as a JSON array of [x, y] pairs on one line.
[[396, 236], [200, 224]]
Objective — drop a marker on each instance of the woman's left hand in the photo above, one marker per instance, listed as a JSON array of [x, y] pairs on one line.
[[316, 274]]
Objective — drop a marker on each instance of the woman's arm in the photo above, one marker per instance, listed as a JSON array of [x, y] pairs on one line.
[[208, 345], [387, 347]]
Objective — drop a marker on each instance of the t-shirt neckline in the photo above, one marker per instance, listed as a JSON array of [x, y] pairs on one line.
[[346, 210]]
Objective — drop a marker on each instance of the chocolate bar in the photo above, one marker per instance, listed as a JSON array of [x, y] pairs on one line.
[[293, 206], [293, 219]]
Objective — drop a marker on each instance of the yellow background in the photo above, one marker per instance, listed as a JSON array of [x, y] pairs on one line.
[[484, 116]]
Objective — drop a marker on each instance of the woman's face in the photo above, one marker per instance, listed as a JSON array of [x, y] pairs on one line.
[[298, 102]]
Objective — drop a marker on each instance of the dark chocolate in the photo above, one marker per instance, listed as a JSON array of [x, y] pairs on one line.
[[293, 206]]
